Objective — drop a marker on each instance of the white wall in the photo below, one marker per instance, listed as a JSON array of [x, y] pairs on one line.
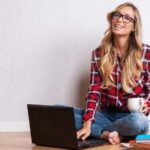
[[45, 52]]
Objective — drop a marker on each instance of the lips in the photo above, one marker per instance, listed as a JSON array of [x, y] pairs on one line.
[[118, 26]]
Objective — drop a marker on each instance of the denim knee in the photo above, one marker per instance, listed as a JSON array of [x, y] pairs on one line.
[[78, 114], [139, 122], [78, 111]]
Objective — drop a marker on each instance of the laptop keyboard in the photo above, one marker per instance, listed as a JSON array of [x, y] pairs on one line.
[[90, 143]]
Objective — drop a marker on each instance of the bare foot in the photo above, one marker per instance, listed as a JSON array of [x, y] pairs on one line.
[[112, 137]]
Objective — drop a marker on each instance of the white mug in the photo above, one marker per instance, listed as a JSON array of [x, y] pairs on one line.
[[135, 104]]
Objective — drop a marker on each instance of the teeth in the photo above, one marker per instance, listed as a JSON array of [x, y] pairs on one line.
[[118, 26]]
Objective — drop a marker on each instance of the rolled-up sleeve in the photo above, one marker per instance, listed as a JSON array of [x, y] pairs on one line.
[[147, 86], [93, 96], [147, 76]]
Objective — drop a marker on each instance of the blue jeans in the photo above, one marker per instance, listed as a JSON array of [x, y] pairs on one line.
[[126, 124]]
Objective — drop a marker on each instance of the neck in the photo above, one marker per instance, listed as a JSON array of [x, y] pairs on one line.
[[121, 45]]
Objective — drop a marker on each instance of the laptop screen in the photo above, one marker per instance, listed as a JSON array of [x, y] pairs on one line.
[[52, 126]]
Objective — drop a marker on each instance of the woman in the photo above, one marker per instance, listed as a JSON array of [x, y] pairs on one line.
[[120, 69]]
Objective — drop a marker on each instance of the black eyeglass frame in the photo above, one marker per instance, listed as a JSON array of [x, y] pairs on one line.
[[122, 16]]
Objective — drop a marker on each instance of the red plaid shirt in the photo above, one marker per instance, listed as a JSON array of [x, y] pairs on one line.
[[115, 96]]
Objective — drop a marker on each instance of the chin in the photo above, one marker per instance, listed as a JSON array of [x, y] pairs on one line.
[[118, 33]]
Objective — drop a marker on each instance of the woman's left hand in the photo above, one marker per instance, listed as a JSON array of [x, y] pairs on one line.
[[145, 108]]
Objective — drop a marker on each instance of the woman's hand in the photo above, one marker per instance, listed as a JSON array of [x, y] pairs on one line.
[[145, 108], [85, 131]]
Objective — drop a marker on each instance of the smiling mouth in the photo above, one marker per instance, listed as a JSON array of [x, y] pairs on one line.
[[117, 26]]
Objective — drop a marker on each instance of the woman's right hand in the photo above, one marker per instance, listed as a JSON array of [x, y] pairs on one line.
[[85, 131]]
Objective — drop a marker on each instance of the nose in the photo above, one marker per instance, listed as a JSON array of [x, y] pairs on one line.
[[120, 18]]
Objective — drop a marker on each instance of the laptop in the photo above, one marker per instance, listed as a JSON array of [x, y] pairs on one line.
[[54, 126]]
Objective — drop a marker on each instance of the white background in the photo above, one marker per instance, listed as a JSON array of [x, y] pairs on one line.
[[45, 52]]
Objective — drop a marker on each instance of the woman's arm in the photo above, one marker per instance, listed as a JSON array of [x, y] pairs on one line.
[[93, 96], [85, 131], [147, 79]]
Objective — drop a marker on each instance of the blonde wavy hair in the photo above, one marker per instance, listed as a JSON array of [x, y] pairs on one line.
[[131, 61]]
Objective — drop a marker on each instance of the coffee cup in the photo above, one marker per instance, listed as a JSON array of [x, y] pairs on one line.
[[135, 104]]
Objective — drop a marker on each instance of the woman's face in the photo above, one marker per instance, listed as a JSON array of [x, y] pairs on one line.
[[123, 22]]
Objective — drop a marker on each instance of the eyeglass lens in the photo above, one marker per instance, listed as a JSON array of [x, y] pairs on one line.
[[125, 18]]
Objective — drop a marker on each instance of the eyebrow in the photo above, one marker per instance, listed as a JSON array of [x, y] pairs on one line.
[[127, 14]]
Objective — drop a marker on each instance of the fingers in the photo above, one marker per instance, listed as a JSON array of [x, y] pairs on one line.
[[85, 131], [111, 141], [82, 134], [144, 109], [145, 104], [79, 134]]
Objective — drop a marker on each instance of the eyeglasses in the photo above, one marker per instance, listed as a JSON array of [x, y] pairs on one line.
[[126, 18]]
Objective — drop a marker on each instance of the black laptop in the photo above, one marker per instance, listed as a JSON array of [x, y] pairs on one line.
[[54, 126]]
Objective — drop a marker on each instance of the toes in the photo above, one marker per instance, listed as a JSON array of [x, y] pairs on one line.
[[114, 138], [111, 141], [111, 134]]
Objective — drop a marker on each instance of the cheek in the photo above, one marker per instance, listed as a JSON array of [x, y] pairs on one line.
[[113, 22], [129, 29]]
